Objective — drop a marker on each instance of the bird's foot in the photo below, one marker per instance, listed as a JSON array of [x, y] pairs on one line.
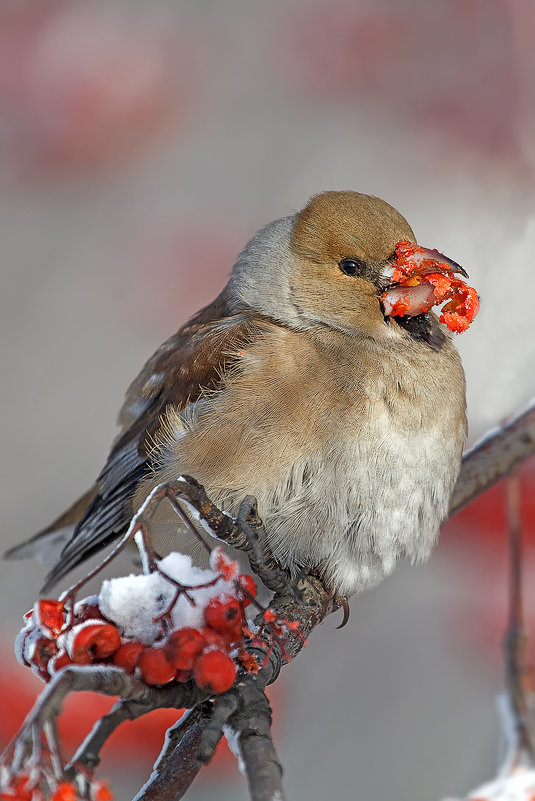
[[261, 557]]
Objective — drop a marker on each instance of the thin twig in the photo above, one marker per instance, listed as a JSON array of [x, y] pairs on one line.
[[521, 746], [244, 708], [87, 756]]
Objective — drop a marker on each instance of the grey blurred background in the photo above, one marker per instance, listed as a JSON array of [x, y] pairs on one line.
[[141, 145]]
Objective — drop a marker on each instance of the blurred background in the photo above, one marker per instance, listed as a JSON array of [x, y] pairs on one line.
[[141, 145]]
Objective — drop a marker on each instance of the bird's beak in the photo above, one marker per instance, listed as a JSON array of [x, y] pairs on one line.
[[417, 261], [415, 279]]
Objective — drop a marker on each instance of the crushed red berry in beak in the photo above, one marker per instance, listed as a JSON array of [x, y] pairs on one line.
[[420, 278]]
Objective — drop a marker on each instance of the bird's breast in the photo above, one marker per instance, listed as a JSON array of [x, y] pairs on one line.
[[352, 456]]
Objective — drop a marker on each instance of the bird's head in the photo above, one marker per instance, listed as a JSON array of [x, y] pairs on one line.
[[337, 263]]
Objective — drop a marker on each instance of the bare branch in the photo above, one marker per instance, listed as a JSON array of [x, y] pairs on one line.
[[494, 457], [243, 712], [520, 746], [179, 763], [252, 725]]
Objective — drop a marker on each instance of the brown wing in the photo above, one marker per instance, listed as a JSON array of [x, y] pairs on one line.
[[188, 363]]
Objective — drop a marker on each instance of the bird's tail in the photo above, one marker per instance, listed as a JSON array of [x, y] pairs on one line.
[[47, 545]]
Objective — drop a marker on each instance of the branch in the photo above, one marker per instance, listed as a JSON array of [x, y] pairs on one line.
[[242, 713], [494, 457], [517, 734], [105, 680], [244, 710]]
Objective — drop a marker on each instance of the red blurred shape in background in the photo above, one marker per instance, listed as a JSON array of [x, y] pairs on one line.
[[82, 86], [476, 541], [453, 68], [484, 521]]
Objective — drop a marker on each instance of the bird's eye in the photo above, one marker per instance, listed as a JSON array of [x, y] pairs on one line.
[[350, 266]]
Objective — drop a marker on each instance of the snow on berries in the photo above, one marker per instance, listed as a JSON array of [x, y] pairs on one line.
[[423, 279], [177, 623]]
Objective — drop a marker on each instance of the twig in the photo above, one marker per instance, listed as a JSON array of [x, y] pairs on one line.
[[87, 756], [252, 725], [106, 680], [244, 708], [171, 779], [198, 504], [494, 457], [520, 740]]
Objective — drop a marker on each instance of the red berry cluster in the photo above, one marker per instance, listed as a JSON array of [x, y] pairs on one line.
[[22, 787], [55, 637]]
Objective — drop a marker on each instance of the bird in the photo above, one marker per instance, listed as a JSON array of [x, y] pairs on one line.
[[295, 386]]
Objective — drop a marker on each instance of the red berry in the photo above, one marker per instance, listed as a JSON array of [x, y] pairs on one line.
[[88, 610], [248, 583], [127, 656], [223, 564], [65, 791], [101, 792], [154, 667], [20, 789], [214, 671], [220, 641], [49, 616], [61, 660], [43, 651], [224, 615], [94, 641], [183, 647]]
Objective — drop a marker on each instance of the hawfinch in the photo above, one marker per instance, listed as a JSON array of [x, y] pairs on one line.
[[298, 385]]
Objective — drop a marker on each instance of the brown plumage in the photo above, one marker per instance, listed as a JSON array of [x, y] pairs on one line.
[[293, 386]]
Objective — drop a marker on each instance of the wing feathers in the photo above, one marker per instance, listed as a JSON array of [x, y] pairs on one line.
[[191, 362]]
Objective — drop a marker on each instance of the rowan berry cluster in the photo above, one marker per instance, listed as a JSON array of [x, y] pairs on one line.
[[177, 631], [28, 787]]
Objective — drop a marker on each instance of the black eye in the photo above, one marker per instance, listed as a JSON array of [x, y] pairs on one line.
[[350, 266]]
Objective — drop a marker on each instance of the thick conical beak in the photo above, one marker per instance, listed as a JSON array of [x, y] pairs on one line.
[[413, 260], [415, 279], [451, 266]]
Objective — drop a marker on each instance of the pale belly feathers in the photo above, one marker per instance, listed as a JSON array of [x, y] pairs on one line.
[[357, 485]]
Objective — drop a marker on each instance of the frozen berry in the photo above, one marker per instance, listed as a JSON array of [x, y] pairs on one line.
[[101, 792], [183, 647], [49, 616], [221, 563], [42, 651], [212, 637], [65, 791], [59, 661], [224, 615], [214, 671], [154, 667], [88, 609], [94, 641], [127, 656]]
